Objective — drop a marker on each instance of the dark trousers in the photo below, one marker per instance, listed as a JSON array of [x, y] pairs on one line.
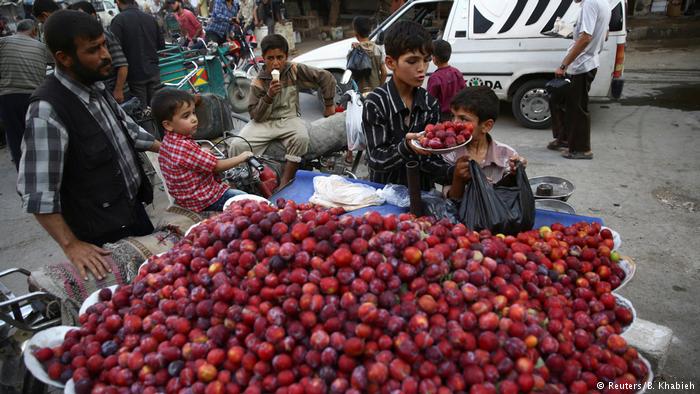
[[141, 226], [211, 36], [571, 121], [144, 90], [13, 109]]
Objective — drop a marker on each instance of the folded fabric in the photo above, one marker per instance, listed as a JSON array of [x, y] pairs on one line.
[[336, 191]]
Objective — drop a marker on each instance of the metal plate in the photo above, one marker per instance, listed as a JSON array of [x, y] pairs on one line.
[[563, 189], [242, 197], [93, 299], [51, 337], [630, 268], [650, 378], [620, 300], [550, 204], [445, 150]]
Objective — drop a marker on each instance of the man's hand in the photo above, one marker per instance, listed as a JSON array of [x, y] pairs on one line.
[[559, 73], [329, 110], [118, 95], [462, 172], [417, 150], [274, 89], [85, 256]]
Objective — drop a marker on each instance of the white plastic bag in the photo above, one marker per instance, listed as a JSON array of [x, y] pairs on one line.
[[353, 122], [395, 195], [336, 191]]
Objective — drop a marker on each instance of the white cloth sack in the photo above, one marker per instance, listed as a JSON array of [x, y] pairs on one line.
[[336, 191], [353, 122]]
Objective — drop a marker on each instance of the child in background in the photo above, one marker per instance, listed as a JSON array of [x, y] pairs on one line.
[[397, 111], [479, 106], [188, 171], [363, 27], [446, 81], [274, 104]]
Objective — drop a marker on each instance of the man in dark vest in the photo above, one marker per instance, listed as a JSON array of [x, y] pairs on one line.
[[79, 174]]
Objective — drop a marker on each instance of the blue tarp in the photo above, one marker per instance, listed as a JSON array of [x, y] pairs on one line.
[[302, 188]]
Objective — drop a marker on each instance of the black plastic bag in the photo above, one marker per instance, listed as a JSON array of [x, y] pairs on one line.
[[436, 205], [359, 63], [508, 207]]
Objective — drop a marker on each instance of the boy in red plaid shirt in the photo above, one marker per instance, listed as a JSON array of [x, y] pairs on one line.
[[188, 170]]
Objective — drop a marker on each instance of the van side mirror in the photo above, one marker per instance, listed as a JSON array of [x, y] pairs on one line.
[[380, 38]]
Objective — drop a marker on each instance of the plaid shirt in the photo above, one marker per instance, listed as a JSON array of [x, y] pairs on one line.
[[386, 120], [189, 172], [118, 60], [45, 146], [220, 22]]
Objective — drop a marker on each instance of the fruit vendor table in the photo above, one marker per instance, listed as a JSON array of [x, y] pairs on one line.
[[303, 187]]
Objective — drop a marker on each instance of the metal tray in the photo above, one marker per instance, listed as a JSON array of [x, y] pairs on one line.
[[620, 300], [630, 268], [93, 299], [563, 189], [51, 337], [551, 204], [650, 378]]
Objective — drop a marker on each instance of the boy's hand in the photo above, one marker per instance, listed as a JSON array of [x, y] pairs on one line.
[[462, 172], [197, 100], [274, 89], [514, 160], [329, 110], [417, 150], [245, 155]]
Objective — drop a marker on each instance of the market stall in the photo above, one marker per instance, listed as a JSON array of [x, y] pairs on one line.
[[293, 298]]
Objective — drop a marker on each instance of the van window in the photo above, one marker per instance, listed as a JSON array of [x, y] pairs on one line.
[[99, 6], [433, 16]]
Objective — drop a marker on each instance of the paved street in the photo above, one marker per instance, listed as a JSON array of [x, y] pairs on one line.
[[644, 182]]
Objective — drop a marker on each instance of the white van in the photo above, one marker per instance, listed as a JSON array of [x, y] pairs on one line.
[[501, 44]]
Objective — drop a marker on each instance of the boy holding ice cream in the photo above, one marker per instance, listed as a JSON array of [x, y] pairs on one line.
[[274, 104]]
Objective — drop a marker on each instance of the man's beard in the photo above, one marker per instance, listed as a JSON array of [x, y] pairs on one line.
[[87, 75]]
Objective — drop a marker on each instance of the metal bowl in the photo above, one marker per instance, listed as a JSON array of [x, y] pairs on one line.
[[630, 268], [562, 188], [622, 301], [550, 204]]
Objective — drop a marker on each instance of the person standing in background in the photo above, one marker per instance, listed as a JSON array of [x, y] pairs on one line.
[[43, 8], [571, 121], [223, 16], [446, 81], [245, 14], [203, 6], [140, 47], [23, 61], [189, 24], [116, 83]]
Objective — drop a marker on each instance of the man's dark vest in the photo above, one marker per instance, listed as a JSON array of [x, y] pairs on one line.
[[94, 198]]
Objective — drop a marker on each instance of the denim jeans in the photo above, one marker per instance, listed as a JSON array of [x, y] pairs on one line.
[[219, 204]]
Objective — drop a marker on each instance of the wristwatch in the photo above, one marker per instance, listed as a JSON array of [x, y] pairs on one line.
[[563, 66]]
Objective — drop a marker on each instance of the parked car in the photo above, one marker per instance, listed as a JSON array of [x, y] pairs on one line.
[[503, 45], [106, 11]]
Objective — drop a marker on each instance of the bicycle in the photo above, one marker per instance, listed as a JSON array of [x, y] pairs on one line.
[[205, 70]]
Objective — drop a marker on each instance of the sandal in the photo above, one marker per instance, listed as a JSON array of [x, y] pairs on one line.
[[577, 155], [557, 145]]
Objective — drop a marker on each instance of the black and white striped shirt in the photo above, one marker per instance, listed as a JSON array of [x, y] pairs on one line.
[[384, 122]]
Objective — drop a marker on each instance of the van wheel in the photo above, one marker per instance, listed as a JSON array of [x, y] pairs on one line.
[[531, 105]]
